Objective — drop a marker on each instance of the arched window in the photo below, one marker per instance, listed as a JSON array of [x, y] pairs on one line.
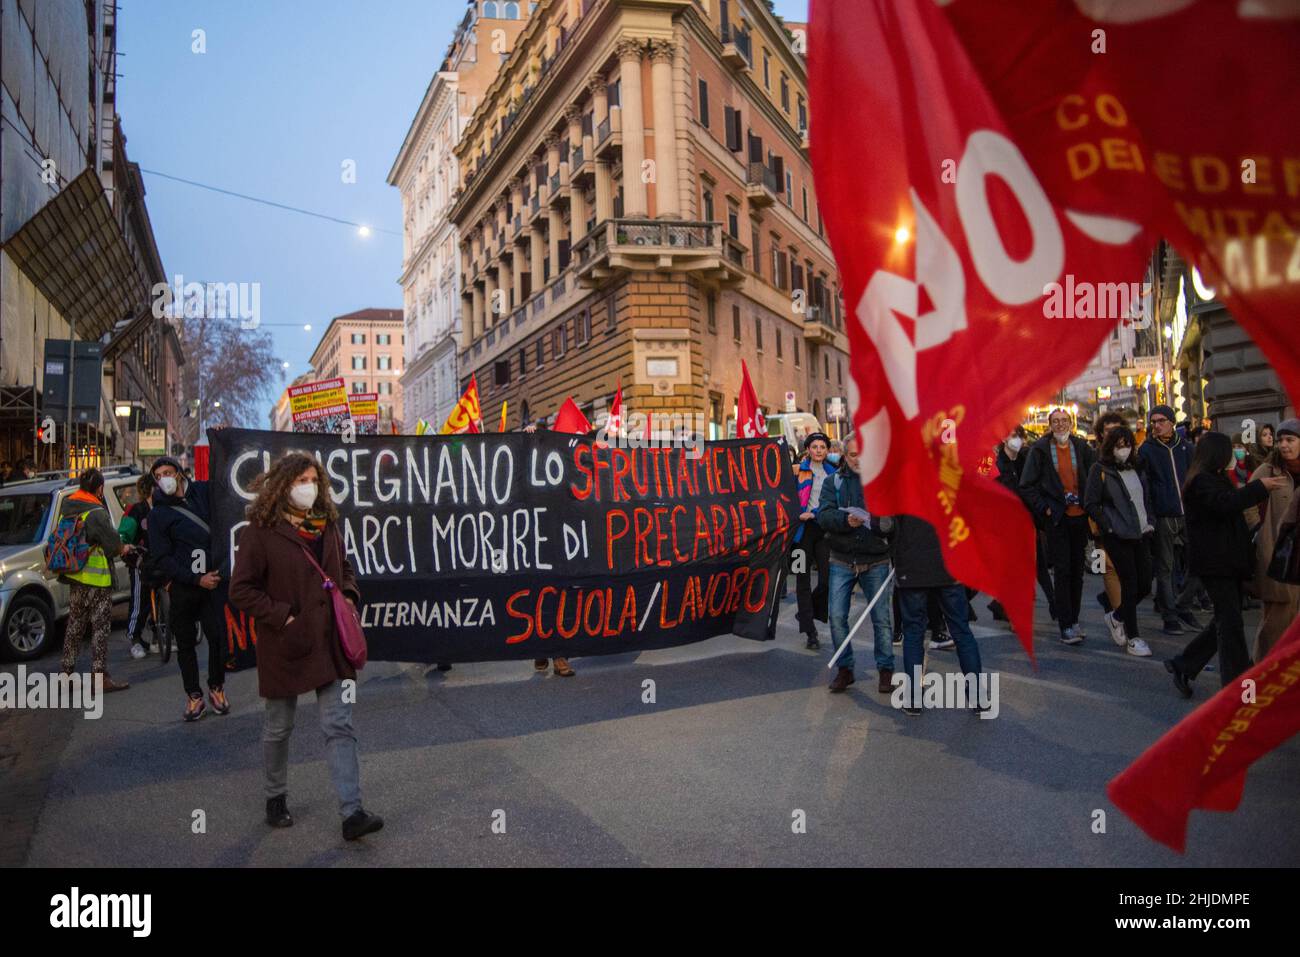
[[510, 11], [489, 10]]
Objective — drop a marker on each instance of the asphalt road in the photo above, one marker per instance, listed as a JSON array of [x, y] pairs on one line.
[[742, 736]]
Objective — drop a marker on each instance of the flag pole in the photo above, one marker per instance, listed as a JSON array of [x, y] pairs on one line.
[[870, 605]]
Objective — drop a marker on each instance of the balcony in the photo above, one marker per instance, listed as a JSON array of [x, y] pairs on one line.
[[805, 144], [582, 168], [609, 135], [518, 224], [761, 186], [559, 191], [535, 206], [737, 51], [618, 246], [819, 327]]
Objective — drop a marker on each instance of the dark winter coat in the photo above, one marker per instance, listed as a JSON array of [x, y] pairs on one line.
[[1106, 499], [1218, 541], [1166, 466], [863, 545], [175, 540], [918, 558], [274, 580], [1040, 483]]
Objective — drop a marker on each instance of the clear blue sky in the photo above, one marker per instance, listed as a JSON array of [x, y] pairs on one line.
[[286, 92]]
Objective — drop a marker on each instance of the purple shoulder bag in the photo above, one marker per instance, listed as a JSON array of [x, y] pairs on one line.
[[346, 620]]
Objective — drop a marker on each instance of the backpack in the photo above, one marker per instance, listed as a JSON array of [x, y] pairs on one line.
[[66, 550]]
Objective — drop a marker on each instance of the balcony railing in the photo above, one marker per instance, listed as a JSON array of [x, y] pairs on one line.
[[741, 49], [555, 182], [576, 159], [603, 131], [761, 174]]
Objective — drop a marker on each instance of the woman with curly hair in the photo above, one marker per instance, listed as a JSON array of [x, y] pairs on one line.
[[293, 528]]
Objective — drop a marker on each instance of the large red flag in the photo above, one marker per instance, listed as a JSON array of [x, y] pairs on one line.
[[1202, 762], [1011, 158], [614, 424], [466, 418], [750, 422]]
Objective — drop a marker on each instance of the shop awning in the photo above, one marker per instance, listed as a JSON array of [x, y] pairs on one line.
[[74, 251]]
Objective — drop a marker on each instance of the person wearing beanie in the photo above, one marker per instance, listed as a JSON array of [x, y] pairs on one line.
[[1166, 457], [1281, 601], [810, 547]]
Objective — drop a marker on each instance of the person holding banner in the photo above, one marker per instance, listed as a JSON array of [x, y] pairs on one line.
[[859, 557], [292, 537], [809, 540]]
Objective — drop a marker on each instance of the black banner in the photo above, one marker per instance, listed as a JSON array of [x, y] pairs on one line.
[[514, 546]]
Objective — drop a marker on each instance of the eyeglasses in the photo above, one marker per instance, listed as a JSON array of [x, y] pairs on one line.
[[1159, 420]]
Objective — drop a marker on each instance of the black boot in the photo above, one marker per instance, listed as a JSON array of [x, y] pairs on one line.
[[277, 812], [360, 824]]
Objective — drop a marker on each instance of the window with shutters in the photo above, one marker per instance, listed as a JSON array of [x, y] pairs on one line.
[[839, 371], [785, 93], [711, 313], [789, 189], [780, 353], [539, 353], [704, 104], [523, 363], [758, 334], [805, 204], [708, 205], [826, 362], [757, 251], [796, 275], [560, 340], [735, 323], [767, 71], [735, 129], [796, 352], [385, 363], [611, 314], [584, 326], [733, 220], [803, 114]]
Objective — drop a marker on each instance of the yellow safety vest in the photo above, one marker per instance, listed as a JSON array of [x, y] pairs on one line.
[[96, 573]]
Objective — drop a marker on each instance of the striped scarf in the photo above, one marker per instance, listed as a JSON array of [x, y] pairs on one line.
[[311, 526]]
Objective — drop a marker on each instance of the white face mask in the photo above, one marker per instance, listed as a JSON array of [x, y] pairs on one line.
[[1015, 443], [303, 497], [168, 484], [1122, 453]]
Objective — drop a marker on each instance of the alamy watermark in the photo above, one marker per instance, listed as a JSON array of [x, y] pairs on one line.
[[952, 690], [37, 690], [1111, 301], [213, 300], [659, 430]]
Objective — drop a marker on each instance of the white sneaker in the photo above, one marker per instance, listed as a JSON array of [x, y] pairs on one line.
[[1071, 637], [1138, 648], [1079, 632], [1116, 629], [138, 652]]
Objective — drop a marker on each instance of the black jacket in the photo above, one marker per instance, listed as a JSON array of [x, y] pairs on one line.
[[1218, 541], [1106, 499], [865, 544], [1167, 467], [175, 540], [918, 559], [1040, 485]]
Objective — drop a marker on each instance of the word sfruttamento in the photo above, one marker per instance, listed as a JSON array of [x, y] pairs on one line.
[[75, 910], [37, 690]]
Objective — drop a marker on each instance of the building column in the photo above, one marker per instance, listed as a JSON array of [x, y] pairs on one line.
[[476, 314], [598, 87], [506, 286], [577, 202], [516, 197], [667, 197], [466, 322], [635, 204], [553, 236], [535, 250]]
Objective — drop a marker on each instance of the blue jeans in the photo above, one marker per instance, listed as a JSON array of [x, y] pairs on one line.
[[952, 601], [841, 594], [340, 745]]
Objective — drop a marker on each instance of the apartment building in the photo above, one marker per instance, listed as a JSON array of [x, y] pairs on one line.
[[427, 174], [365, 349], [637, 208]]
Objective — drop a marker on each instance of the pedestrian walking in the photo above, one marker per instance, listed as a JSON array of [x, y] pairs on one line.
[[1166, 457], [810, 547], [90, 589], [180, 547], [134, 531], [1281, 601], [859, 557], [292, 536], [1052, 484], [1222, 555], [920, 571], [1010, 458], [1118, 500]]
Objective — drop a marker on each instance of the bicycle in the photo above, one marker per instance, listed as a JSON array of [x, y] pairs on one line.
[[160, 603]]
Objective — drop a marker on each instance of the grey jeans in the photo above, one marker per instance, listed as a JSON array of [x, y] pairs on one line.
[[340, 745], [1170, 545]]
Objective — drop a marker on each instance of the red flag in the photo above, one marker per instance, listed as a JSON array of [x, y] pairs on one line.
[[614, 424], [570, 419], [1011, 163], [1201, 762], [465, 418], [750, 422]]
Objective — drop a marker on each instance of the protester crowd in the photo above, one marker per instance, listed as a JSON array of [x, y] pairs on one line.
[[1194, 519]]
